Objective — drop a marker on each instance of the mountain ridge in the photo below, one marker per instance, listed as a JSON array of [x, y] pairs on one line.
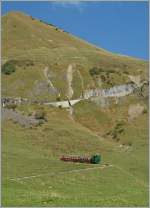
[[24, 15]]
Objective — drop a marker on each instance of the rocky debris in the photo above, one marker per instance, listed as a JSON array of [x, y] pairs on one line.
[[50, 85], [9, 101], [135, 79], [39, 88], [18, 117], [102, 97], [134, 111], [82, 82], [145, 89], [42, 86], [69, 78], [100, 101], [116, 91]]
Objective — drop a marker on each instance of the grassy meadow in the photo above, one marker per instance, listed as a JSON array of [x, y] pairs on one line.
[[35, 153]]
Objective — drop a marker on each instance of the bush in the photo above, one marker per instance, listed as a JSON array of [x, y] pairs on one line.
[[8, 68], [95, 71], [11, 106], [32, 18], [58, 99], [114, 135], [116, 131], [126, 72], [30, 114], [103, 78], [47, 23], [40, 114], [40, 122], [129, 143], [111, 71], [144, 111]]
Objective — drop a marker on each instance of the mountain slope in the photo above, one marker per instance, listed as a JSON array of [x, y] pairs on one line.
[[39, 178], [51, 65], [25, 39]]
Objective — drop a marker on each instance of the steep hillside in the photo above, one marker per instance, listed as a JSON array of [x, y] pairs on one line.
[[40, 63], [32, 45], [33, 175]]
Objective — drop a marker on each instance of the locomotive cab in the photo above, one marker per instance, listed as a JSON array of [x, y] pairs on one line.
[[96, 159]]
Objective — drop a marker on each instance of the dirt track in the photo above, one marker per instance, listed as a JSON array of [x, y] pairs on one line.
[[62, 172]]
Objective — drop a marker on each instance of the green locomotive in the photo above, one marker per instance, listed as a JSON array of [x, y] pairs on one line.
[[94, 159]]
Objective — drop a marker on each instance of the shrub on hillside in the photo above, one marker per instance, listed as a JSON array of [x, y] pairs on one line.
[[32, 18], [116, 131], [8, 68], [11, 106], [145, 110], [40, 122], [95, 71], [29, 63], [126, 72], [40, 115], [103, 78], [58, 99], [129, 143], [110, 71], [47, 23]]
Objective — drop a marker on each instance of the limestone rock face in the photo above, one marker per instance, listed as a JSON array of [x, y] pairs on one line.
[[116, 91]]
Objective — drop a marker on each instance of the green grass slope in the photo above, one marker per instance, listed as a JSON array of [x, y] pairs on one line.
[[35, 153]]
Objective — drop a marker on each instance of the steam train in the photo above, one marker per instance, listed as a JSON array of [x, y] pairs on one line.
[[94, 159]]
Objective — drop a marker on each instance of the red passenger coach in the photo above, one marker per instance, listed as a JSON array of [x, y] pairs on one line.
[[75, 159]]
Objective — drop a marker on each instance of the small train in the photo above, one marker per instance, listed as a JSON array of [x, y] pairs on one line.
[[94, 159]]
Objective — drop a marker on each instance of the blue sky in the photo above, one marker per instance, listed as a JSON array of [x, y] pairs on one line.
[[120, 27]]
